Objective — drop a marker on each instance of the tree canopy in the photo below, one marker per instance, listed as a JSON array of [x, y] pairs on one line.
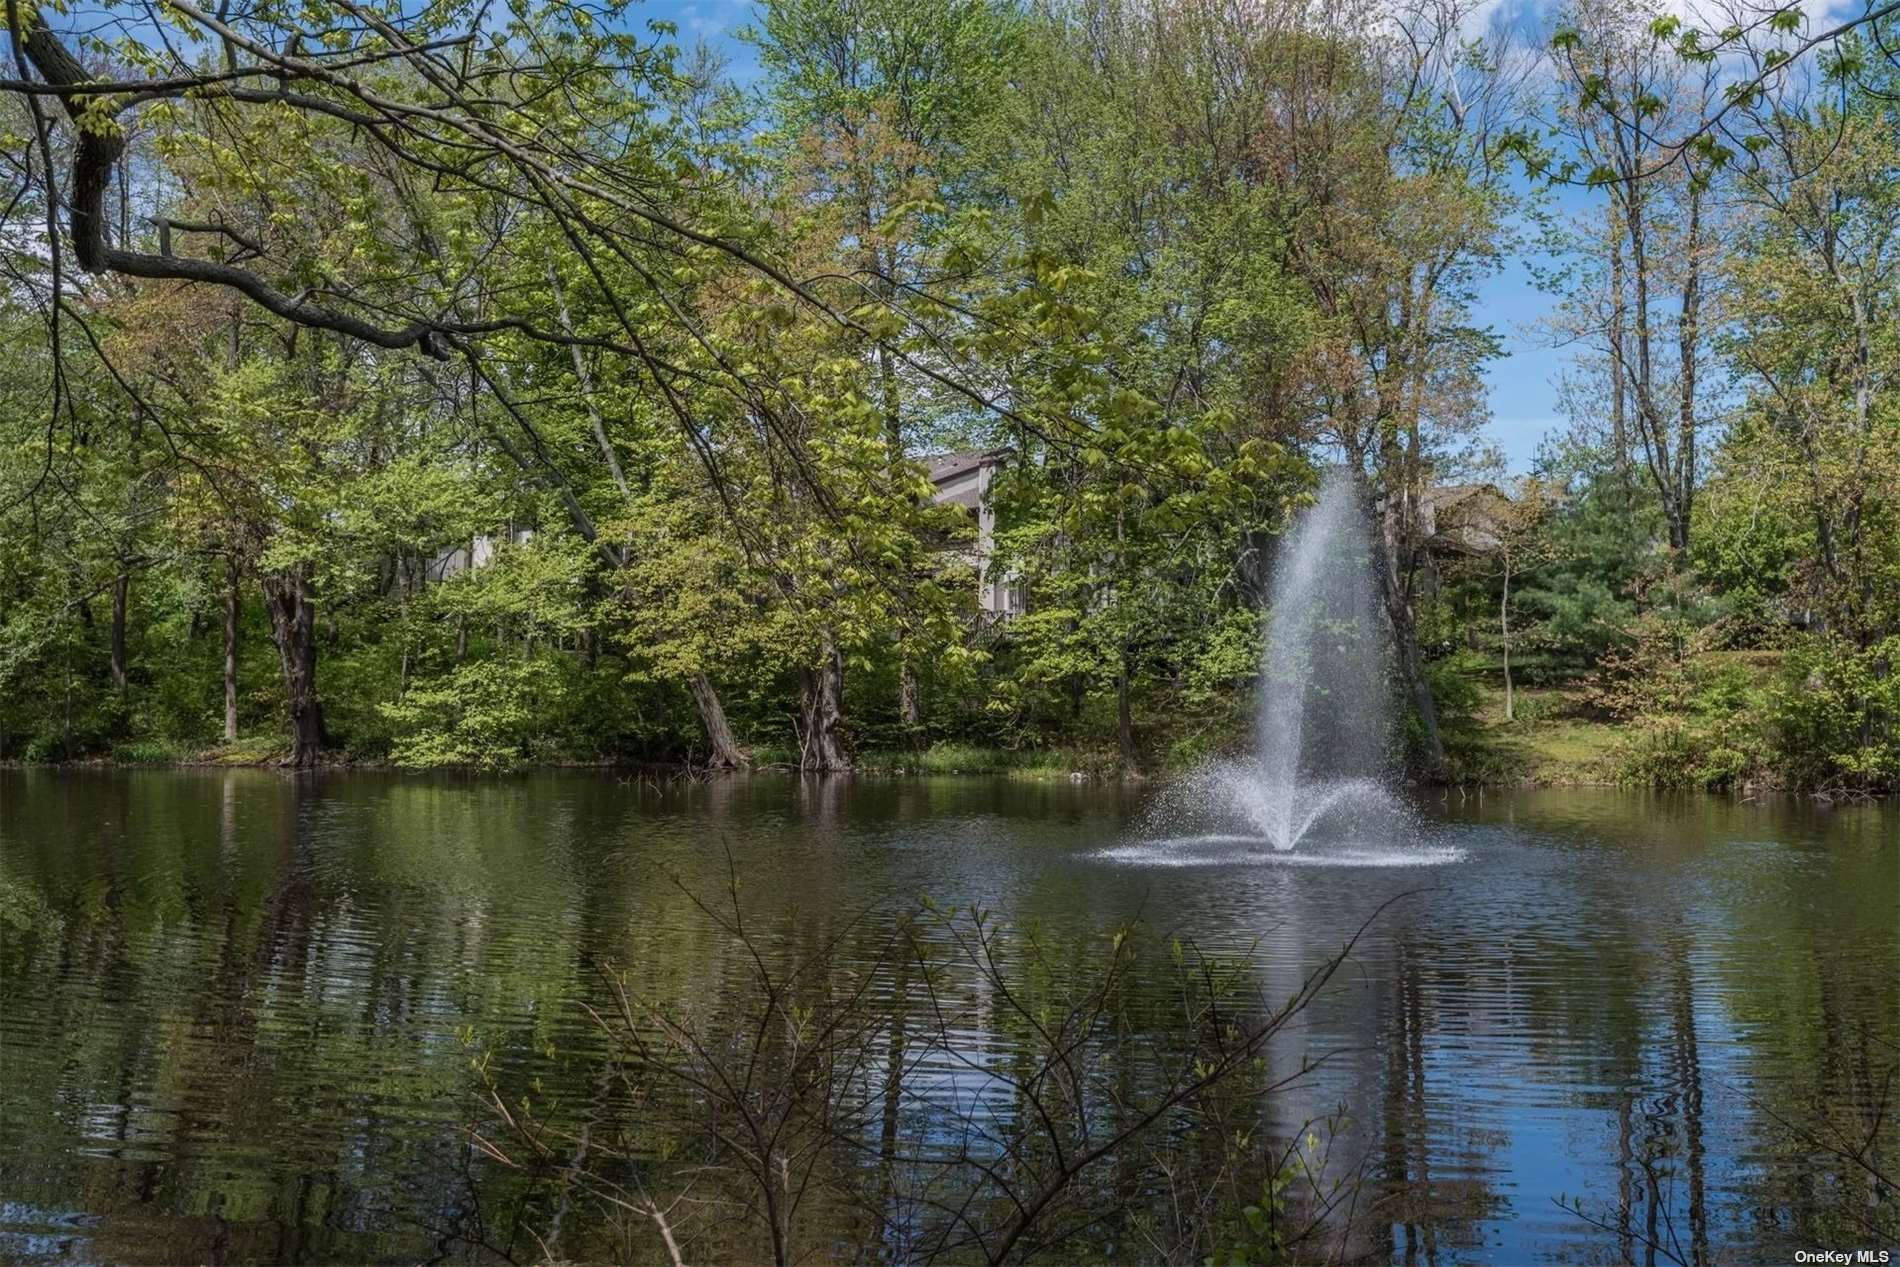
[[475, 385]]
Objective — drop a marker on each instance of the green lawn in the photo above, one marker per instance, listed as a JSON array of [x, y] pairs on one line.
[[1550, 743]]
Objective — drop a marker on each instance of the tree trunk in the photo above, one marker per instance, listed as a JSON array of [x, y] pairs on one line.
[[1619, 404], [726, 752], [293, 615], [1504, 625], [1388, 541], [910, 705], [121, 588], [1688, 332], [821, 708], [231, 613], [910, 712], [1124, 718], [1672, 470], [585, 377]]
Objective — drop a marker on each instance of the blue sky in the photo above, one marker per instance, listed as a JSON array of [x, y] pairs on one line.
[[1522, 382]]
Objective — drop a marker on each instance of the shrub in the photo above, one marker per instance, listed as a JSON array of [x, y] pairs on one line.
[[1671, 752], [1531, 711], [1200, 746], [1645, 675], [1660, 752], [153, 751], [768, 755], [945, 757], [1456, 696], [1455, 690], [43, 749], [960, 758], [1833, 718], [488, 713], [251, 750], [1723, 692]]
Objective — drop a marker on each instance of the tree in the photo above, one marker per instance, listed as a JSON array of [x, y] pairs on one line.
[[878, 108], [1141, 204], [1382, 152], [1602, 543], [1765, 48], [1521, 545], [1650, 296], [1817, 347]]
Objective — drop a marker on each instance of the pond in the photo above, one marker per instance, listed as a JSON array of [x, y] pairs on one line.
[[240, 1008]]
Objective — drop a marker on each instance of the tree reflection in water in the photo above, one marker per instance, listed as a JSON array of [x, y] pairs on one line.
[[237, 1011]]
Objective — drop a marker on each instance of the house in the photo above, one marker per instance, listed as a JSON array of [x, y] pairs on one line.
[[1459, 524], [1463, 519], [1454, 522], [479, 552], [963, 479]]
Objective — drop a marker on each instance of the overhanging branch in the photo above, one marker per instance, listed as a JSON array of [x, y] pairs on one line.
[[100, 145]]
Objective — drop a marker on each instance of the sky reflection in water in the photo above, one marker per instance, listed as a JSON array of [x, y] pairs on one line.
[[233, 1030]]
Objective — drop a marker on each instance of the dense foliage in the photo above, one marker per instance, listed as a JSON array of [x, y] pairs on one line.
[[465, 389]]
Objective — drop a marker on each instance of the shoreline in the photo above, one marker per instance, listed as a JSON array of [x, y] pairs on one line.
[[1553, 740], [878, 769]]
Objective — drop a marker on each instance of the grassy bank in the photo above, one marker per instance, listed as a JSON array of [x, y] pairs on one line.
[[1751, 720], [1717, 721], [1552, 740], [958, 758], [936, 759]]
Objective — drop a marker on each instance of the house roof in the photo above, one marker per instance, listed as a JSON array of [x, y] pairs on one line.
[[1463, 518], [947, 466], [1443, 495]]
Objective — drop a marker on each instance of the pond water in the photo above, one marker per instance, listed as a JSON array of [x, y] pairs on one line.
[[237, 1008]]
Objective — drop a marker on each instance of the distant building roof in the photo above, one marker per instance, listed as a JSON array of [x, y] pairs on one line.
[[947, 466], [1463, 518], [1442, 495]]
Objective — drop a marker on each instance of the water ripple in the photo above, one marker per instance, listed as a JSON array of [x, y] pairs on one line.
[[1220, 850]]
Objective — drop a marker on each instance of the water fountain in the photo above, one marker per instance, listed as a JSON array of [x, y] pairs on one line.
[[1320, 765], [1320, 737]]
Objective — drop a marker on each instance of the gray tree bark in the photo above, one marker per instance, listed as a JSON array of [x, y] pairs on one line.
[[293, 614], [231, 612], [727, 754], [821, 712], [121, 590]]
